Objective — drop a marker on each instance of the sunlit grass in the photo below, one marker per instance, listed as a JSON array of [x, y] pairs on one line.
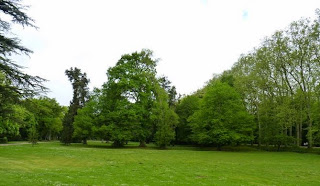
[[99, 164]]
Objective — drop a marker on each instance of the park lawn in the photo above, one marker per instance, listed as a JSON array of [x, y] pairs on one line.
[[98, 164]]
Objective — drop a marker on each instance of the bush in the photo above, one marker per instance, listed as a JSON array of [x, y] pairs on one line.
[[4, 140]]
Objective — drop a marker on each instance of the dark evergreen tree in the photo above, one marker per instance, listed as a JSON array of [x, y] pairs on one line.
[[14, 83], [79, 83], [21, 83]]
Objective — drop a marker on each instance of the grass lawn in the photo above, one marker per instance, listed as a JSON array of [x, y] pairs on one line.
[[98, 164]]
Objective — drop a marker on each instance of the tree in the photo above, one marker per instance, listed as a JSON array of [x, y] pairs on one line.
[[222, 118], [128, 97], [33, 135], [279, 83], [48, 115], [14, 83], [165, 119], [85, 120], [22, 83], [171, 91], [186, 108], [17, 123], [79, 83]]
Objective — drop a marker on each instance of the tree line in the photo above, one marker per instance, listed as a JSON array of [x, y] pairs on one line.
[[269, 97]]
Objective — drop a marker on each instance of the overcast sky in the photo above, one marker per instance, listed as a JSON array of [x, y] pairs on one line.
[[193, 38]]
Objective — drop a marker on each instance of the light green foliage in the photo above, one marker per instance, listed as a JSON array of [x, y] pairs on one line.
[[165, 119], [19, 118], [48, 115], [279, 83], [222, 119]]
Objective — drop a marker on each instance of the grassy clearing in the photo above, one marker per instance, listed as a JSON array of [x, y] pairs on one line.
[[99, 164]]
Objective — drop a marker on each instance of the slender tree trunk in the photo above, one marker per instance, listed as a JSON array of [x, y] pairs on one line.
[[298, 134], [84, 141], [290, 131], [259, 128], [309, 135], [142, 143]]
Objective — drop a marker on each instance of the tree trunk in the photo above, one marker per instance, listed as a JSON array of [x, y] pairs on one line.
[[84, 141], [310, 140], [142, 144], [298, 134], [259, 128]]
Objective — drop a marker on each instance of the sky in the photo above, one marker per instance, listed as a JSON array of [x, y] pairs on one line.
[[193, 39]]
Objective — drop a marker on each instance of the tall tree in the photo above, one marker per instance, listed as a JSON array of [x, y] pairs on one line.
[[128, 97], [22, 83], [85, 122], [165, 119], [14, 83], [279, 83], [79, 83]]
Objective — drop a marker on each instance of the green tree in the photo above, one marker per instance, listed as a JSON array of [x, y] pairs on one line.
[[48, 115], [85, 120], [222, 118], [14, 83], [171, 91], [186, 108], [17, 123], [79, 83], [21, 83], [165, 119], [33, 135], [128, 97]]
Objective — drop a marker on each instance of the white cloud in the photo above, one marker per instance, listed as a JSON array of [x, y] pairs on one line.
[[193, 38]]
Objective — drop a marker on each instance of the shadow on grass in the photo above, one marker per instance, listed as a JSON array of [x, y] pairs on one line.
[[151, 146]]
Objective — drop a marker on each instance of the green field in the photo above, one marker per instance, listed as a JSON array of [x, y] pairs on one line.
[[99, 164]]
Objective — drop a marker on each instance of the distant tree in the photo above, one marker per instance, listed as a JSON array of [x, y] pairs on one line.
[[85, 120], [165, 119], [222, 118], [186, 108], [79, 83], [48, 115], [33, 135], [171, 91], [17, 124]]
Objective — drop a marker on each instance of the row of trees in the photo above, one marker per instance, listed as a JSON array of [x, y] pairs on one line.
[[269, 97], [20, 115], [278, 84]]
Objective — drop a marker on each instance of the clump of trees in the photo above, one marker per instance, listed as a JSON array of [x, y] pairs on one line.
[[271, 96], [131, 105], [274, 89], [15, 85], [279, 82]]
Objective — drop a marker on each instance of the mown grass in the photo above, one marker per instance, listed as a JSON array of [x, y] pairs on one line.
[[99, 164]]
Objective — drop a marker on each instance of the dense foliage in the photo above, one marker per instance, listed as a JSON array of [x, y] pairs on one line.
[[79, 83], [279, 82], [269, 97]]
